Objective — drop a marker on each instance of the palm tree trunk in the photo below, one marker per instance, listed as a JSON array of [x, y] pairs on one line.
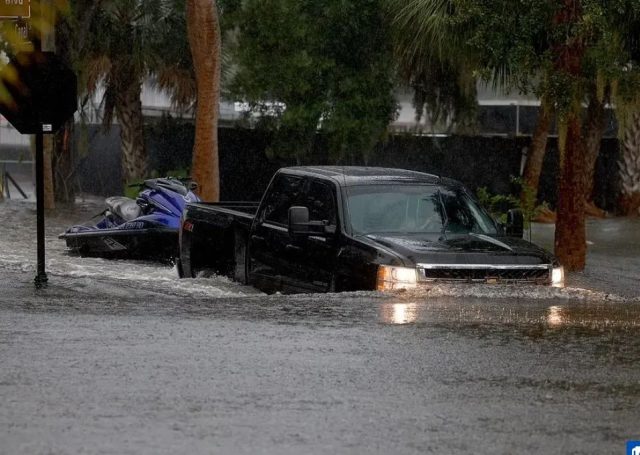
[[64, 163], [47, 165], [629, 166], [128, 106], [47, 169], [535, 158], [594, 125], [205, 42], [64, 158], [570, 238]]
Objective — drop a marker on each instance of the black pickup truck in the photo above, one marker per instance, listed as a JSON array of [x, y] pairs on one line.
[[332, 229]]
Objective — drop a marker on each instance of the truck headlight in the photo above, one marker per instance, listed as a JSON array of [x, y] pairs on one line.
[[557, 277], [390, 277]]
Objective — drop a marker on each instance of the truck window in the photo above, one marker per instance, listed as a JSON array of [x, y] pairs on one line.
[[320, 202], [395, 208], [415, 209], [283, 193], [464, 215]]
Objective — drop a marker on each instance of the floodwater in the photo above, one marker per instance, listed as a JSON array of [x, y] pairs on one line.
[[123, 357]]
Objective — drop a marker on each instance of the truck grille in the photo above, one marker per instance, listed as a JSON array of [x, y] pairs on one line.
[[487, 273]]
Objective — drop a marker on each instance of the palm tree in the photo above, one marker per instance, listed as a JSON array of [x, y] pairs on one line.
[[629, 166], [626, 97], [537, 151], [71, 31], [204, 39], [434, 60], [131, 41], [594, 126]]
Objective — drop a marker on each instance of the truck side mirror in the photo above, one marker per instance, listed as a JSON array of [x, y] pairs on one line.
[[298, 220], [299, 224], [515, 223]]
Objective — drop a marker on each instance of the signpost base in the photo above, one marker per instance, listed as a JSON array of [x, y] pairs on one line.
[[41, 280]]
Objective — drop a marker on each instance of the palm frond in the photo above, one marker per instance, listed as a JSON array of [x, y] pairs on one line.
[[423, 31], [109, 104], [96, 71], [180, 84]]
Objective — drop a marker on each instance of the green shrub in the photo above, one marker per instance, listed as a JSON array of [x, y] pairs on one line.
[[499, 204]]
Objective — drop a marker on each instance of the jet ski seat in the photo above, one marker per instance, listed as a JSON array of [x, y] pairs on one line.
[[124, 207]]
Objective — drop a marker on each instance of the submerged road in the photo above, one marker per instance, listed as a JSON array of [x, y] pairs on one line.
[[122, 357]]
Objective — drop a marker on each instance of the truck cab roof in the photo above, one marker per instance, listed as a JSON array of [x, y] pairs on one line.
[[361, 175]]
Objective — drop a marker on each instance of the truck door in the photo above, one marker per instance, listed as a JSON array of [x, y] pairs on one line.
[[311, 259], [268, 243]]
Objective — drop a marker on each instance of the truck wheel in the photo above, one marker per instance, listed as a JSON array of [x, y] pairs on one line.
[[332, 284], [179, 267], [240, 272]]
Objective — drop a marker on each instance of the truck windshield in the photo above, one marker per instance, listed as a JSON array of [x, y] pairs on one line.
[[415, 209]]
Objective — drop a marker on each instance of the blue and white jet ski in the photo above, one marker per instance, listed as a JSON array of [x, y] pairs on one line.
[[144, 228]]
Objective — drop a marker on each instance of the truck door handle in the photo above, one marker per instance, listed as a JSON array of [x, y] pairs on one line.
[[292, 248], [257, 239]]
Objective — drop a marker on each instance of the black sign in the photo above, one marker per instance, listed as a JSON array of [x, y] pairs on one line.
[[42, 92]]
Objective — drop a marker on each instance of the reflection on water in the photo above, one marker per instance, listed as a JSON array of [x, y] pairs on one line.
[[398, 313], [569, 315], [593, 316], [555, 317]]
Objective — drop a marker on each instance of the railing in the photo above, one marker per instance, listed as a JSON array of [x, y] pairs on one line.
[[5, 179]]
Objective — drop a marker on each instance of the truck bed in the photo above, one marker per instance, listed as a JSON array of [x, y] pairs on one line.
[[235, 207], [210, 234]]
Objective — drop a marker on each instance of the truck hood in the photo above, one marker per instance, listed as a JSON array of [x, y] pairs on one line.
[[461, 249]]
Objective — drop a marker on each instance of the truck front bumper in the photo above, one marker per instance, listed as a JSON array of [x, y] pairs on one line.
[[392, 277]]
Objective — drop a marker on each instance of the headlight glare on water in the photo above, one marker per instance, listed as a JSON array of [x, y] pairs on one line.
[[391, 277], [557, 277]]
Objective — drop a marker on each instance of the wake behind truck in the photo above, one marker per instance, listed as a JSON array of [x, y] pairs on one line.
[[334, 228]]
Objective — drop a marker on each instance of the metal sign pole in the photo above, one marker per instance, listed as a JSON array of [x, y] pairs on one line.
[[41, 276]]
